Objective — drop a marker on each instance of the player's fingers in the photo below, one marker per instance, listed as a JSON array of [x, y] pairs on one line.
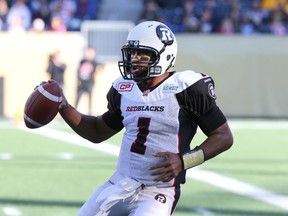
[[158, 166], [63, 104], [164, 178], [164, 170], [162, 154]]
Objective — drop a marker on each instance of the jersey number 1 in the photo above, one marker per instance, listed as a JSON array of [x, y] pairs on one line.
[[138, 146]]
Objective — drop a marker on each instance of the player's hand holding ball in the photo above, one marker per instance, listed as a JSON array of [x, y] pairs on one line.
[[43, 104]]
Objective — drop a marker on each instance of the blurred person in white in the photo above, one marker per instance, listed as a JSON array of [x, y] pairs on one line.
[[38, 25], [19, 17], [3, 15]]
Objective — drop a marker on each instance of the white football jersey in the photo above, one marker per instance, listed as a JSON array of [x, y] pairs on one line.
[[158, 120]]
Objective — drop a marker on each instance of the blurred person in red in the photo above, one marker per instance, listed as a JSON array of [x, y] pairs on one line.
[[56, 25]]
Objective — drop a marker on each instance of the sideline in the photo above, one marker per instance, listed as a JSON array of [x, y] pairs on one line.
[[217, 180]]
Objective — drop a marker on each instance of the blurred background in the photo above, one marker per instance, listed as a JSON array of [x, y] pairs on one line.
[[241, 43]]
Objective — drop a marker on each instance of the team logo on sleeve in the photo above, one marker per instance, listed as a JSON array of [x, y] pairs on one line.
[[211, 90], [125, 86]]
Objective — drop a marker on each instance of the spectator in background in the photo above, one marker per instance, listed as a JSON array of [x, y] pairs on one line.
[[206, 22], [3, 15], [285, 7], [150, 12], [19, 16], [38, 25], [190, 22], [16, 25], [64, 10], [85, 10], [258, 17], [172, 13], [272, 4], [40, 9], [56, 68], [235, 14], [85, 76], [246, 26], [279, 18], [56, 25], [277, 27], [227, 27]]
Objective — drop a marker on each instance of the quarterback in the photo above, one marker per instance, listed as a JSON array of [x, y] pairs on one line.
[[160, 111]]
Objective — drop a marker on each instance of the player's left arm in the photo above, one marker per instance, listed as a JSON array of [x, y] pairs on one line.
[[212, 122], [217, 141]]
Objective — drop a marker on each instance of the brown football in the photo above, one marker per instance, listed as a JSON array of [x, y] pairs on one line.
[[41, 106]]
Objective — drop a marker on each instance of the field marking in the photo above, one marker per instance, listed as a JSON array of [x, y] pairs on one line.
[[6, 156], [239, 187], [212, 178], [11, 211], [258, 124]]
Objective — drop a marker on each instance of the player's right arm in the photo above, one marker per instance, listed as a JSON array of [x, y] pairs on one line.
[[92, 128]]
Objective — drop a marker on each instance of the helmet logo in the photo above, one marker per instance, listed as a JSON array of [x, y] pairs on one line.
[[211, 90], [165, 35]]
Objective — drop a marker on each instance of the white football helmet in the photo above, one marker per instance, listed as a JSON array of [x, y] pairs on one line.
[[154, 38]]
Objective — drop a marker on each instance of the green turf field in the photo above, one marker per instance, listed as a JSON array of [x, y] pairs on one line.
[[44, 175]]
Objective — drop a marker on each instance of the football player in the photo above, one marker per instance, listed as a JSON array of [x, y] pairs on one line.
[[160, 110]]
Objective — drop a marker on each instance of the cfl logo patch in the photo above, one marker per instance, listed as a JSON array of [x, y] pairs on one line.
[[160, 198], [125, 86]]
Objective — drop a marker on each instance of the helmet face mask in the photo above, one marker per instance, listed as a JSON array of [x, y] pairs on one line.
[[156, 48], [143, 67]]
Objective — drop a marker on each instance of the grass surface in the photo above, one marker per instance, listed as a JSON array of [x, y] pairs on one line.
[[45, 176]]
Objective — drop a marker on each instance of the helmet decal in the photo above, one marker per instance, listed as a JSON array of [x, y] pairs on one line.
[[165, 35], [211, 90]]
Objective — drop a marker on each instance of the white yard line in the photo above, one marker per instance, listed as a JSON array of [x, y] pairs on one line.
[[223, 182], [259, 124], [239, 187], [11, 211]]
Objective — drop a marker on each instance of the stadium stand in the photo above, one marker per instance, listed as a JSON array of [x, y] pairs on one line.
[[245, 17]]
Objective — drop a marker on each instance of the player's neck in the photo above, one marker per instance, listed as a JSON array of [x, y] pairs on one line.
[[152, 82]]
